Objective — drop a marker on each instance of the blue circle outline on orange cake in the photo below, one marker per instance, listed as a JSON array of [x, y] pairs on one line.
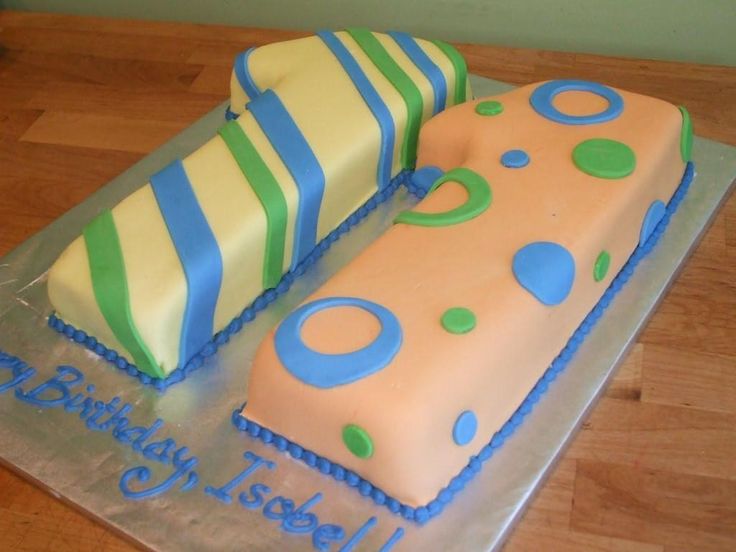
[[330, 370], [542, 97]]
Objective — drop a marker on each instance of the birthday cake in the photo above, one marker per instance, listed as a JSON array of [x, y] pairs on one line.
[[406, 370]]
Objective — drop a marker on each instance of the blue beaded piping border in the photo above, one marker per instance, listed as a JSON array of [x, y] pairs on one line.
[[248, 314], [422, 514]]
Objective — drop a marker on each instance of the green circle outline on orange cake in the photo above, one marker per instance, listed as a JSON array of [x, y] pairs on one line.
[[479, 199]]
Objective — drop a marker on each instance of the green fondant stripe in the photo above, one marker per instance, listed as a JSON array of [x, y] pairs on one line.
[[402, 83], [461, 69], [686, 135], [110, 286], [266, 187]]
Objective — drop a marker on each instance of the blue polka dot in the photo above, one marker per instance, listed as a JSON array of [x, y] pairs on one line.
[[424, 177], [651, 220], [465, 427], [330, 370], [542, 97], [546, 270], [515, 159]]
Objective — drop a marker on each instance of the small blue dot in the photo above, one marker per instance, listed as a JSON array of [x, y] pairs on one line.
[[465, 427], [515, 159]]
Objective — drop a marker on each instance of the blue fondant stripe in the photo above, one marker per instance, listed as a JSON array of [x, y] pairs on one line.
[[425, 64], [243, 74], [372, 99], [293, 149], [198, 252], [248, 314]]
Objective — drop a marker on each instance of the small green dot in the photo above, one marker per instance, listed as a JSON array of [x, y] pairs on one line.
[[686, 135], [600, 269], [357, 440], [604, 158], [489, 108], [458, 320]]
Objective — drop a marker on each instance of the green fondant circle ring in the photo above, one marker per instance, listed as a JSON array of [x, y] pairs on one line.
[[479, 198], [604, 158]]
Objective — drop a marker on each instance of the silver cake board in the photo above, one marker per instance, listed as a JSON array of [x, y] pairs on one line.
[[54, 448]]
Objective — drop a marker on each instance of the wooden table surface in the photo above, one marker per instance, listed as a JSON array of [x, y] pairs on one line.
[[653, 468]]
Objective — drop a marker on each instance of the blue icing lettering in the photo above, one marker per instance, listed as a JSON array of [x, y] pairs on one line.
[[142, 474], [391, 542], [325, 535], [160, 451], [223, 493], [359, 535], [136, 436], [293, 520], [654, 214], [116, 417], [330, 370], [546, 270], [301, 521], [80, 402], [58, 387], [285, 505], [19, 371], [257, 490]]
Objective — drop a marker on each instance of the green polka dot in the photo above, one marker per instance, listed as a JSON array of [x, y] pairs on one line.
[[604, 158], [600, 269], [489, 108], [458, 320], [357, 440], [686, 135]]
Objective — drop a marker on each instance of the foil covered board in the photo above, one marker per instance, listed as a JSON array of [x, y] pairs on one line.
[[57, 450]]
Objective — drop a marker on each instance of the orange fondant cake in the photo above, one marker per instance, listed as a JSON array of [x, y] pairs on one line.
[[397, 372]]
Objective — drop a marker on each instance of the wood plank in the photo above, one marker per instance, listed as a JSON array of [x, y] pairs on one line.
[[105, 132], [171, 105], [557, 540], [652, 436], [659, 506], [626, 384], [110, 46], [59, 67], [692, 380], [14, 122], [213, 79]]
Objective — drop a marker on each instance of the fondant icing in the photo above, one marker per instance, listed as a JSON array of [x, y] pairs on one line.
[[319, 126], [559, 214]]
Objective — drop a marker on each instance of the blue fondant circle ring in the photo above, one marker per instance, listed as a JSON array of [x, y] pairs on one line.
[[330, 370], [542, 97]]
